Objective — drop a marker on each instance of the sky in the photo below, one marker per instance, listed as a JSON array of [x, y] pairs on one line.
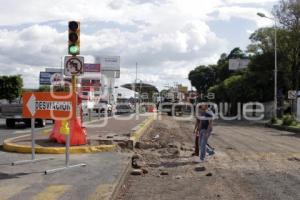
[[166, 38]]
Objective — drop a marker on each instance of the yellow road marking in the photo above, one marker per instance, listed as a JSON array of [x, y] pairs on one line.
[[9, 191], [102, 192], [52, 192], [46, 132]]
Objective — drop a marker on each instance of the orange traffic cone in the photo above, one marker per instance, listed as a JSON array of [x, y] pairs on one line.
[[78, 133], [55, 134]]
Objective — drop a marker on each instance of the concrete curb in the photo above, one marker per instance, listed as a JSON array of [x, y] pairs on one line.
[[121, 180], [137, 133], [8, 144], [140, 129], [283, 128]]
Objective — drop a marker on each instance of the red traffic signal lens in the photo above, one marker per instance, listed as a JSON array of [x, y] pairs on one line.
[[73, 25], [73, 37]]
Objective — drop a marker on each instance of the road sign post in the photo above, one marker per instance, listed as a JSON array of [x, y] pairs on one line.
[[45, 105], [67, 151], [33, 159]]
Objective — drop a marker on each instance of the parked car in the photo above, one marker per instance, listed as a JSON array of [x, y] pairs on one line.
[[124, 108], [103, 106]]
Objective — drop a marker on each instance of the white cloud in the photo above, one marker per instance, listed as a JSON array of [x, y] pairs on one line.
[[248, 13], [250, 1], [170, 37]]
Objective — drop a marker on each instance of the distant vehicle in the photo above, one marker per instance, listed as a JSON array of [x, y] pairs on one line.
[[13, 113], [103, 106], [124, 108], [170, 99]]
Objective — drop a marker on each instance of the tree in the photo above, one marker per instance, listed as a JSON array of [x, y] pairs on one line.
[[10, 87], [236, 53], [202, 78], [44, 88], [288, 15]]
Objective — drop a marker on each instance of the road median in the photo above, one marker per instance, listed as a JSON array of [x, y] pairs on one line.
[[22, 144]]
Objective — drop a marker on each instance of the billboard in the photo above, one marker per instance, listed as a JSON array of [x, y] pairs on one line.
[[54, 70], [47, 77], [110, 63], [88, 67], [237, 64]]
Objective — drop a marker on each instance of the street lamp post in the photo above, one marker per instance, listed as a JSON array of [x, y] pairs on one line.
[[275, 70]]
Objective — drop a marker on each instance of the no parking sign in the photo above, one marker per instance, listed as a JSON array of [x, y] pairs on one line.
[[73, 65]]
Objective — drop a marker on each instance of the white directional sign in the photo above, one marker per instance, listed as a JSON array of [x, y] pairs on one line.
[[31, 104], [292, 94], [46, 105], [73, 65]]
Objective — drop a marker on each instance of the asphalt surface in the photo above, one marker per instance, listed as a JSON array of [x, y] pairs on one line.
[[95, 181], [20, 128]]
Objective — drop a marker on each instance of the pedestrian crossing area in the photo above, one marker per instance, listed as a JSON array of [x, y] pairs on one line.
[[54, 192]]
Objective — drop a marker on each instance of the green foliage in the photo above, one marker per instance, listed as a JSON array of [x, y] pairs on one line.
[[287, 12], [273, 120], [288, 120], [202, 78], [10, 87], [44, 88], [256, 83], [236, 53], [58, 88]]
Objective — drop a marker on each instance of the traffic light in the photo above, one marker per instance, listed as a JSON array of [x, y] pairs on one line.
[[74, 38]]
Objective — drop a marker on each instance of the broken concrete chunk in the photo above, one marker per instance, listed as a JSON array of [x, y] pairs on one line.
[[209, 174], [145, 171], [164, 173], [136, 172]]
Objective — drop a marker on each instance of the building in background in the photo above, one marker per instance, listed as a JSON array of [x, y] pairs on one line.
[[98, 79]]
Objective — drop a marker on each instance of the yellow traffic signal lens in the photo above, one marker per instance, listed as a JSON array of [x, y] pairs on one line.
[[73, 37]]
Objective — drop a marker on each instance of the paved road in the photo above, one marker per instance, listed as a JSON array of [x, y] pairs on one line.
[[21, 129], [94, 182], [251, 162]]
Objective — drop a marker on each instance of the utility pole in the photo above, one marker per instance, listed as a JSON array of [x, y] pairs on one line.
[[136, 67], [135, 84], [275, 55]]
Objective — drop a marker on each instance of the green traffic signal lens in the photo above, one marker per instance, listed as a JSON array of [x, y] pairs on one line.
[[73, 49]]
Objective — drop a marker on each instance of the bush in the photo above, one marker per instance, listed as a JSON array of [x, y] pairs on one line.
[[273, 120], [288, 120]]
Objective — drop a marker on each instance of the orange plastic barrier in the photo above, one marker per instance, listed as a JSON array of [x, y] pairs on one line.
[[78, 133], [151, 109]]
